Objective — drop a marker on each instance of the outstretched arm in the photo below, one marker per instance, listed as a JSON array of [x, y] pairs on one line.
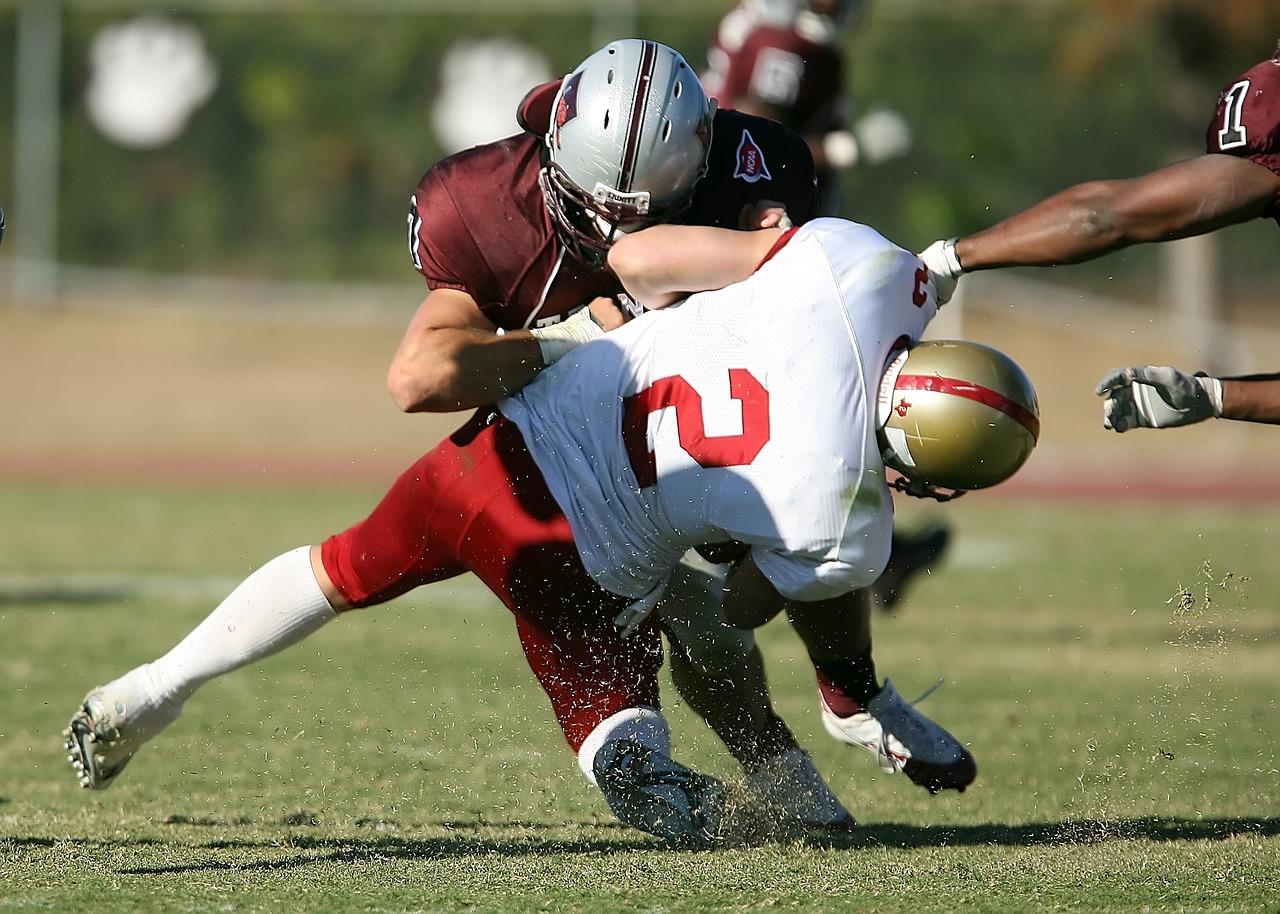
[[1152, 396], [1088, 220], [662, 264]]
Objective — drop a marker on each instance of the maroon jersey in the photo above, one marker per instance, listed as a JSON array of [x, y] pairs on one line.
[[1246, 122], [799, 78], [477, 221]]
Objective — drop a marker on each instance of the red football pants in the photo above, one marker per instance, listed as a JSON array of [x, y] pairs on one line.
[[478, 503]]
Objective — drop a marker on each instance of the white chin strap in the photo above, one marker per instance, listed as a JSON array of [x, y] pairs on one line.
[[607, 228]]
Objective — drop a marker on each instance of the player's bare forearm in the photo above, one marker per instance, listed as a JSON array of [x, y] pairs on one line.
[[1092, 219], [460, 368], [451, 358], [1255, 398], [662, 264]]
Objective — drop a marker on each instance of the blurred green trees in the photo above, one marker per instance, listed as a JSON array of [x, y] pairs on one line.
[[300, 165]]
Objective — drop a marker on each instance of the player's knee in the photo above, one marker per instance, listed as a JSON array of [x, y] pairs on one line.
[[337, 599]]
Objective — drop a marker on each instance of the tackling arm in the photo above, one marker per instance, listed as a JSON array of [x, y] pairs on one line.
[[1088, 220], [451, 356], [662, 264]]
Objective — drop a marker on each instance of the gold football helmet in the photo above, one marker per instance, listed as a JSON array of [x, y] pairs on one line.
[[956, 415]]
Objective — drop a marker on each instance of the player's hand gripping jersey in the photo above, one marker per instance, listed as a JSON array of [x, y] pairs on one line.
[[743, 414], [1246, 122], [477, 222]]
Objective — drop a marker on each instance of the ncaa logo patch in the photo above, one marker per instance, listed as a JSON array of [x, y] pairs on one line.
[[751, 166]]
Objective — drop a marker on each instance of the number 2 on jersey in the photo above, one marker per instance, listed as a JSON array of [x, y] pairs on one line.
[[677, 393]]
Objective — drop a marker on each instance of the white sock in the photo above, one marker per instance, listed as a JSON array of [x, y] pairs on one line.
[[276, 606], [646, 726]]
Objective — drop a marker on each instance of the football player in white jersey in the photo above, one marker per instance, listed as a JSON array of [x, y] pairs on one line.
[[746, 416], [749, 415]]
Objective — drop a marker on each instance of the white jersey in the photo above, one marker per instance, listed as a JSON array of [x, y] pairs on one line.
[[741, 414]]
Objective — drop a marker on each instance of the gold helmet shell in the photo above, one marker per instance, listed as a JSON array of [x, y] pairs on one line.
[[956, 415]]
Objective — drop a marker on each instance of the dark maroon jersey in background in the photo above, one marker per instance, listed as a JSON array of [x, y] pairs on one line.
[[800, 79]]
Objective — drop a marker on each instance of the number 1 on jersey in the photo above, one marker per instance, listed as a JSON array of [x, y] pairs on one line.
[[1233, 133], [679, 394]]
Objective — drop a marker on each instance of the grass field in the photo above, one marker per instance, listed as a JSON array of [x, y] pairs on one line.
[[1113, 668]]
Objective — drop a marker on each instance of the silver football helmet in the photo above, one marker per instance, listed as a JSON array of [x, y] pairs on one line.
[[630, 132], [956, 415]]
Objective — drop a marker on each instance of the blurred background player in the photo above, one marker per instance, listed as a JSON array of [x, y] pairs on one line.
[[783, 59], [1236, 180]]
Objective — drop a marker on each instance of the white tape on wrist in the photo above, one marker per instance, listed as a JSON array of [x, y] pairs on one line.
[[940, 257], [1212, 387], [558, 340]]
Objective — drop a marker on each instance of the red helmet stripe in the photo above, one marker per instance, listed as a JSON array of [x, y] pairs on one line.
[[639, 102], [975, 392]]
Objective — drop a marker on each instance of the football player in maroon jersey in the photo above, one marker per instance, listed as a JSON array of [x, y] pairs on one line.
[[1236, 180], [512, 237]]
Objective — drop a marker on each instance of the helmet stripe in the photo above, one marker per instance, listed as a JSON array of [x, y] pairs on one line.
[[640, 101], [975, 392]]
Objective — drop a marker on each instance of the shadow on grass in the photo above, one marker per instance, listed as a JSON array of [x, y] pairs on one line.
[[1037, 834], [360, 850], [304, 850]]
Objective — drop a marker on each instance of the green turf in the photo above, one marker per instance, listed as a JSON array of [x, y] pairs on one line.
[[1111, 667]]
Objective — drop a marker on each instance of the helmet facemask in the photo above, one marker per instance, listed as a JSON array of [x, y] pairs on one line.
[[589, 223]]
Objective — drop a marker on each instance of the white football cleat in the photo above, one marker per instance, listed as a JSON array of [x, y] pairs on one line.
[[902, 739], [792, 785], [112, 724]]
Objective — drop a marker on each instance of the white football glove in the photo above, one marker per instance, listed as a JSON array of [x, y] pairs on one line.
[[1150, 396], [940, 257]]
